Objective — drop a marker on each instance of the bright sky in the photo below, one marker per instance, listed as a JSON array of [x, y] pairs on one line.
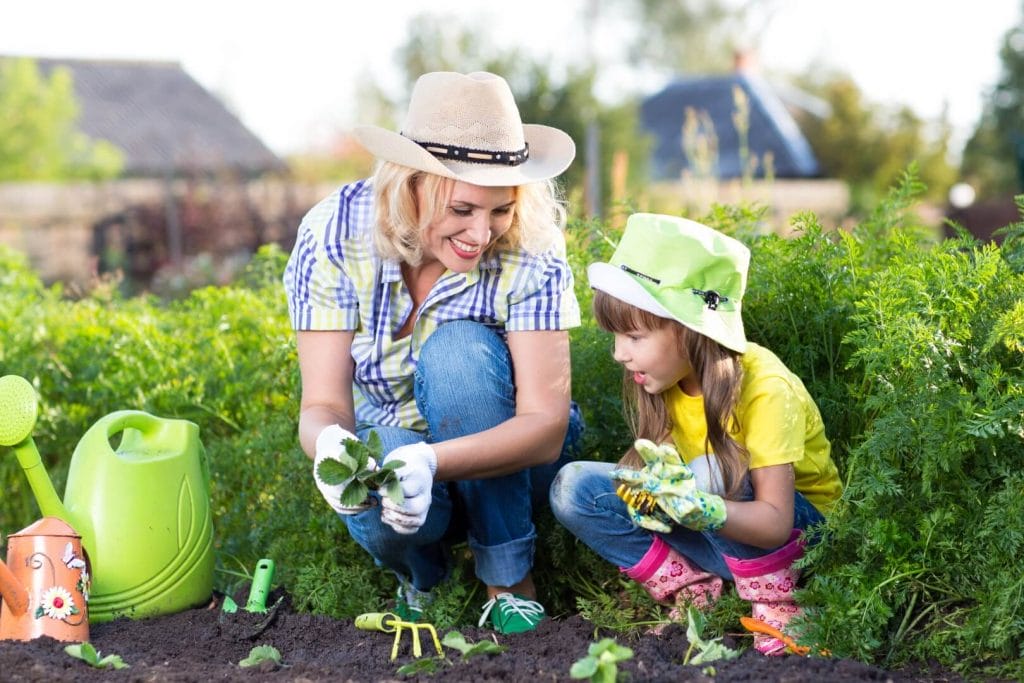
[[288, 69]]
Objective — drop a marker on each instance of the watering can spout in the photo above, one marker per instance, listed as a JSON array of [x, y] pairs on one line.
[[13, 591], [19, 408]]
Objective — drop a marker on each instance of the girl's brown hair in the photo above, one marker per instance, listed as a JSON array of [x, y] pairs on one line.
[[402, 217], [718, 371]]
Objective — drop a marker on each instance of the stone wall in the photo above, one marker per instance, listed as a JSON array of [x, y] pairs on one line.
[[63, 227], [829, 199]]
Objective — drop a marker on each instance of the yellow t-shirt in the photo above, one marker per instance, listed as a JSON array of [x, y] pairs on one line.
[[778, 423]]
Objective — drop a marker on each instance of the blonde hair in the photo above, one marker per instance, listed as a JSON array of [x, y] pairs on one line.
[[401, 219], [718, 371]]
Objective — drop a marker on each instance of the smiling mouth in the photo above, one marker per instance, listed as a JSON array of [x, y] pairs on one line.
[[464, 249]]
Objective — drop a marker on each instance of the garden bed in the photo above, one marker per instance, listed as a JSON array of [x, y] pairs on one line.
[[204, 645]]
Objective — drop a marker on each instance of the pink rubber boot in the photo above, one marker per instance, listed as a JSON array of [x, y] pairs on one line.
[[670, 578], [768, 583]]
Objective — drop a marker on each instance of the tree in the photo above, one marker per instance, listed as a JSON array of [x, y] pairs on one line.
[[869, 146], [686, 36], [993, 158], [38, 137]]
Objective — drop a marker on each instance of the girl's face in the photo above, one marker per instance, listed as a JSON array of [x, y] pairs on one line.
[[474, 217], [655, 359]]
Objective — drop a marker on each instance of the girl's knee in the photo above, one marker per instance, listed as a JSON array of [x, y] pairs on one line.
[[574, 482]]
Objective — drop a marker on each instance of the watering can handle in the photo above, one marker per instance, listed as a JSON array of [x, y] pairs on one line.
[[148, 425], [129, 419]]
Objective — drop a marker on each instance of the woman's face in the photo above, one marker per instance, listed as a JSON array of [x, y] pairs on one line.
[[473, 218], [654, 359]]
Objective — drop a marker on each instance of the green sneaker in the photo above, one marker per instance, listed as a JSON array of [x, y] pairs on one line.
[[410, 602], [512, 613]]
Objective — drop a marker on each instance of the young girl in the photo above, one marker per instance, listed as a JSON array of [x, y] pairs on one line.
[[729, 444]]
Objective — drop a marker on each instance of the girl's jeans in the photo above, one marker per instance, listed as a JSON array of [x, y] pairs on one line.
[[584, 501], [463, 385]]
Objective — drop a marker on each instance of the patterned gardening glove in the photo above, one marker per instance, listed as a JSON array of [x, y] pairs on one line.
[[672, 485]]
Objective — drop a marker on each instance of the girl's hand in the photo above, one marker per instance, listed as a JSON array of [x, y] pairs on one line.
[[672, 485]]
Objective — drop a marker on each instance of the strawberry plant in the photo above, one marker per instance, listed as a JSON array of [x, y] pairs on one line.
[[91, 656], [260, 654], [601, 665], [357, 465]]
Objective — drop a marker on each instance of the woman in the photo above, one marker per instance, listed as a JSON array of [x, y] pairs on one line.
[[431, 305]]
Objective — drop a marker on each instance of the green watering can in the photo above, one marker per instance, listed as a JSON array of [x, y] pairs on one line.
[[142, 507]]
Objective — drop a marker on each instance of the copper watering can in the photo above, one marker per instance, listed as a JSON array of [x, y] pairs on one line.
[[45, 584], [142, 508]]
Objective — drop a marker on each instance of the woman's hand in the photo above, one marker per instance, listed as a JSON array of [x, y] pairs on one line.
[[416, 475], [330, 445]]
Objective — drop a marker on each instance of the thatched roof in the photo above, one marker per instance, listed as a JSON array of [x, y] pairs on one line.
[[162, 120]]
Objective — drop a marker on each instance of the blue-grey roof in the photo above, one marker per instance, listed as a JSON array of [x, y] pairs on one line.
[[772, 128], [161, 119]]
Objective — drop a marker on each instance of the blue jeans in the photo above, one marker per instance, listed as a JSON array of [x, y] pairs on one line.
[[464, 385], [583, 499]]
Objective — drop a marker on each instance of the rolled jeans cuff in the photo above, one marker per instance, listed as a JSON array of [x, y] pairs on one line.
[[505, 564]]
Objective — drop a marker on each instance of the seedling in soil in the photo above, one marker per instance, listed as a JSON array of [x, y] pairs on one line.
[[707, 650], [88, 654], [457, 641], [353, 466], [260, 654], [416, 667], [601, 665]]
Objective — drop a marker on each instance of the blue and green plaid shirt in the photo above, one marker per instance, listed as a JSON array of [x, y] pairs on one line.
[[336, 281]]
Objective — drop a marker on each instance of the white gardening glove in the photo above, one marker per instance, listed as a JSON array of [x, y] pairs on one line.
[[330, 446], [417, 478]]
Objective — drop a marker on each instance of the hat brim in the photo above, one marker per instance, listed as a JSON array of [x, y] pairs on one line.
[[551, 152], [726, 330]]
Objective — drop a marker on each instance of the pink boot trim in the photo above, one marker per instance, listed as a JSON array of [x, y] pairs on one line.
[[650, 562], [792, 551], [665, 574], [768, 583]]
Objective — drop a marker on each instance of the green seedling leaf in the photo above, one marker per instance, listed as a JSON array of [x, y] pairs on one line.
[[457, 641], [706, 650], [362, 452], [584, 668], [333, 472], [426, 666], [393, 490], [91, 656], [260, 654], [601, 663], [354, 494]]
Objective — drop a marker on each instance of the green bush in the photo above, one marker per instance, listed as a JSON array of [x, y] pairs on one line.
[[912, 348]]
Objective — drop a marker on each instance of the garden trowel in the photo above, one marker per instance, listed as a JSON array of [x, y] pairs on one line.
[[256, 617]]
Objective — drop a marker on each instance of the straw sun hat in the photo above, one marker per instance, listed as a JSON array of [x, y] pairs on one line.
[[679, 269], [467, 127]]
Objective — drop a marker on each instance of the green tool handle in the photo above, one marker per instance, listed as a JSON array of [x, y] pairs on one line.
[[260, 590]]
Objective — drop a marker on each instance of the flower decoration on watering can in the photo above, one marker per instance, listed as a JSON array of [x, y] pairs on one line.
[[45, 584]]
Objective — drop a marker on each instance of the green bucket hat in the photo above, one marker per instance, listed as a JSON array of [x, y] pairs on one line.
[[679, 269]]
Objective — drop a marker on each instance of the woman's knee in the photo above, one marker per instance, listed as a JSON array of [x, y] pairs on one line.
[[463, 380], [451, 343]]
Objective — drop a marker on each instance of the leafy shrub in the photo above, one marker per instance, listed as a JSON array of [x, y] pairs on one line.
[[912, 349]]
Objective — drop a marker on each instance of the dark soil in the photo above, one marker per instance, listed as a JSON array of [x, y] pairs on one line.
[[206, 645]]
